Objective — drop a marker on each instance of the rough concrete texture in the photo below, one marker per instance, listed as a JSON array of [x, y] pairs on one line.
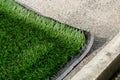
[[101, 17], [108, 56]]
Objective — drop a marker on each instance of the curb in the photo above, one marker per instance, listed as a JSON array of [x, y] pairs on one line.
[[104, 64]]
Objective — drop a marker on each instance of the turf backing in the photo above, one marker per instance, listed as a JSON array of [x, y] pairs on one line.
[[34, 47]]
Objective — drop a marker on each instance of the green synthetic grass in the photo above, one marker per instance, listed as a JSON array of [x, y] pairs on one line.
[[33, 47]]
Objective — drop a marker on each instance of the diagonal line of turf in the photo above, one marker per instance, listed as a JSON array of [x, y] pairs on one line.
[[33, 47]]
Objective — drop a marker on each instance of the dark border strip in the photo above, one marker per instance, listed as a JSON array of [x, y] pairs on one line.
[[75, 60]]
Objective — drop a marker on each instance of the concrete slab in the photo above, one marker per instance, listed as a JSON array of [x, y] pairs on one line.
[[101, 17], [103, 65], [98, 16]]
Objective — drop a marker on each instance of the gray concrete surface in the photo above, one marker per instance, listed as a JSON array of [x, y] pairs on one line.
[[101, 17], [102, 66], [98, 16]]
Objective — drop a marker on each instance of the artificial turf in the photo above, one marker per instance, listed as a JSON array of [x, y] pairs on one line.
[[34, 47]]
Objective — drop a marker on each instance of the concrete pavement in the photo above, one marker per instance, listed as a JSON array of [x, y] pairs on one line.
[[104, 64]]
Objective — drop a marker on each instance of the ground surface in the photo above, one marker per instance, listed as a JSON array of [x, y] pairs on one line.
[[116, 76], [101, 17], [32, 46]]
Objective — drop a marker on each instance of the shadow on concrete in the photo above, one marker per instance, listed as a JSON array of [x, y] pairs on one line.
[[98, 43]]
